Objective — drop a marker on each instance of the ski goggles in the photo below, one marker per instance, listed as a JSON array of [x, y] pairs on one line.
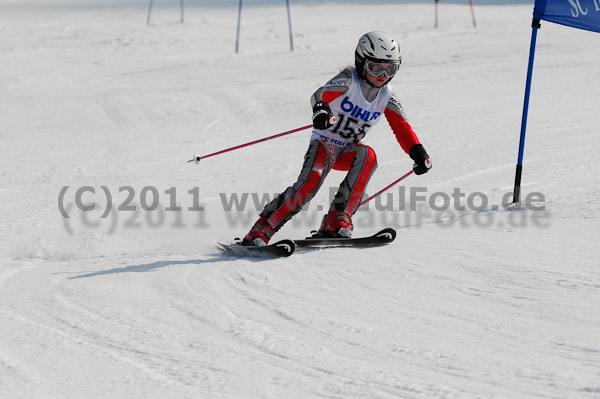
[[378, 68]]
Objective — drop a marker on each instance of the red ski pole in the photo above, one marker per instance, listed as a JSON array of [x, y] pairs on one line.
[[473, 13], [386, 188], [197, 157]]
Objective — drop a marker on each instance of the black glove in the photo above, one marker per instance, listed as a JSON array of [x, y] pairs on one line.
[[322, 116], [422, 161]]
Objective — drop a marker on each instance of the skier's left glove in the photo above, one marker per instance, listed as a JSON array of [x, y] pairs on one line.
[[422, 161], [322, 118]]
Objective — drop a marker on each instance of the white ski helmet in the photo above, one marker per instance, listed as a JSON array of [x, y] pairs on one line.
[[376, 47]]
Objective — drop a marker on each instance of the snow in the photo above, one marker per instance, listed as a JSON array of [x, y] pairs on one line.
[[496, 303]]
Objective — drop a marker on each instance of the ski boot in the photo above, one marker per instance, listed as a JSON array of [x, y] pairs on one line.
[[336, 224], [259, 234]]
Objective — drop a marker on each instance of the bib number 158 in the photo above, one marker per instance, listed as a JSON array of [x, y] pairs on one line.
[[350, 128]]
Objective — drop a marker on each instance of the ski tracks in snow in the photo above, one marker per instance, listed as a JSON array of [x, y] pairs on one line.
[[76, 338]]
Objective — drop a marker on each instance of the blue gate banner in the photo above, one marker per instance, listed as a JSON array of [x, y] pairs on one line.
[[582, 14]]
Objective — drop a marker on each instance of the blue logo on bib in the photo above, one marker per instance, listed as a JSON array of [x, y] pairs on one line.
[[358, 112]]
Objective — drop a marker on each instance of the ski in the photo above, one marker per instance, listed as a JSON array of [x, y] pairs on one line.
[[279, 249], [382, 237], [285, 248]]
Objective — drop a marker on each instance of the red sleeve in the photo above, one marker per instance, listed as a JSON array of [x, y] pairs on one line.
[[329, 96], [404, 133]]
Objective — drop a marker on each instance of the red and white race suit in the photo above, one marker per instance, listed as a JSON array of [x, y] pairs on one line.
[[358, 106]]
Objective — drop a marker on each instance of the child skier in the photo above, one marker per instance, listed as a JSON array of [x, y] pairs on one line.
[[344, 110]]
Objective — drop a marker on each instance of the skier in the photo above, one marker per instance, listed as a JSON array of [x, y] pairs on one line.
[[344, 110]]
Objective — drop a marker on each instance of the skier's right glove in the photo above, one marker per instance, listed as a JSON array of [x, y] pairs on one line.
[[322, 118], [422, 161]]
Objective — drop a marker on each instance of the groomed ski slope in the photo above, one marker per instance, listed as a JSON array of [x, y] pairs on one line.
[[466, 303]]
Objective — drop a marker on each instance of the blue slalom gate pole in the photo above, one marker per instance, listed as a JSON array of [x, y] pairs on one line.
[[149, 12], [287, 3], [237, 36], [517, 191]]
